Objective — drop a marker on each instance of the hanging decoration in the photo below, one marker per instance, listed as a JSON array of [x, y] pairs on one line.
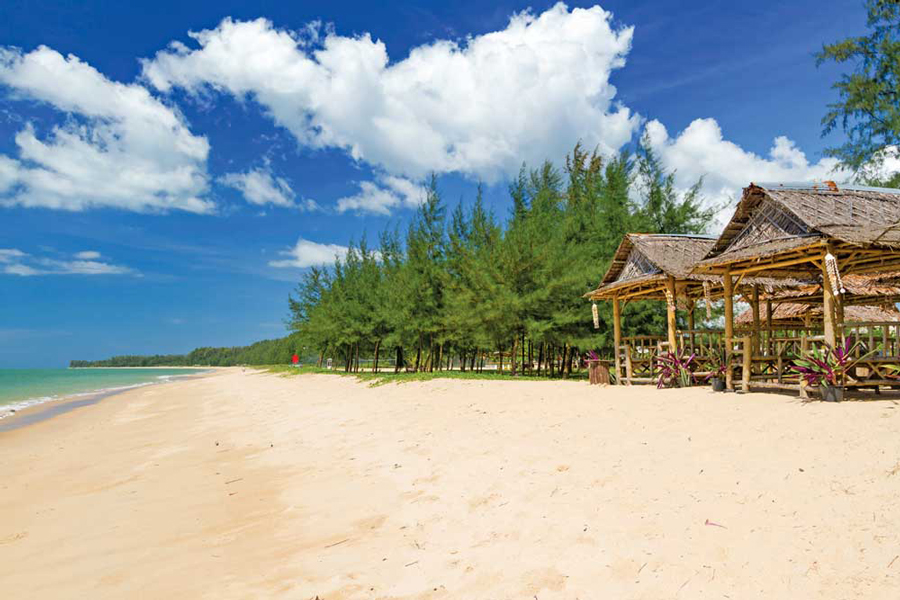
[[834, 276], [706, 297], [596, 312]]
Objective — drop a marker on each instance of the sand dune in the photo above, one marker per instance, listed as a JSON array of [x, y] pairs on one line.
[[249, 485]]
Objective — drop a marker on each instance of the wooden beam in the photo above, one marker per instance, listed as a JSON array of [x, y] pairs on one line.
[[776, 264], [769, 309]]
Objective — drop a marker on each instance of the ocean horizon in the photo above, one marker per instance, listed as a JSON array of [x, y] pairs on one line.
[[22, 388]]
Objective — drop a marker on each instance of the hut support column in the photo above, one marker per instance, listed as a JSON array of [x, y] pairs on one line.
[[756, 321], [690, 319], [769, 345], [670, 313], [729, 325], [828, 308], [617, 338]]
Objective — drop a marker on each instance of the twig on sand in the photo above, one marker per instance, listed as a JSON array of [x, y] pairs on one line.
[[234, 480], [642, 568], [411, 564], [337, 543], [711, 524], [892, 562]]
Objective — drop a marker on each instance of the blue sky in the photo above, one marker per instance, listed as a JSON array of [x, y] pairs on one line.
[[155, 198]]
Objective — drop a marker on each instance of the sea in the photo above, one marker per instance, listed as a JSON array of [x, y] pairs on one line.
[[21, 388]]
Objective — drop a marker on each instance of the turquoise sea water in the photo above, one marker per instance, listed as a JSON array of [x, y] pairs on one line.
[[20, 388]]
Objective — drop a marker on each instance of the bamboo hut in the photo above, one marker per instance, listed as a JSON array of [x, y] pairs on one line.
[[659, 267], [816, 231]]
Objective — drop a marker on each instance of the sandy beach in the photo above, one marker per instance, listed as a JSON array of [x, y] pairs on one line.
[[250, 485]]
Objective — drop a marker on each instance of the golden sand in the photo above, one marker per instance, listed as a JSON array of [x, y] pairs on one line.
[[250, 485]]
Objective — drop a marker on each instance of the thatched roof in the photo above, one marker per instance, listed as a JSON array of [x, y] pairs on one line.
[[788, 312], [642, 254], [644, 261], [775, 219], [858, 289]]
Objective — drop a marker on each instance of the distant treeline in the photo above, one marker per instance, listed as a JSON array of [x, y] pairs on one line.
[[266, 352]]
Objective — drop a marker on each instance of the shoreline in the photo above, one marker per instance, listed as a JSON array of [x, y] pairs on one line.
[[152, 367], [35, 410]]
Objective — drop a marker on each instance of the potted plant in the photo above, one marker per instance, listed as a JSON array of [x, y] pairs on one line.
[[718, 367], [675, 371], [826, 368]]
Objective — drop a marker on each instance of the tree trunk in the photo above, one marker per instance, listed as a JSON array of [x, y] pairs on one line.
[[375, 365], [357, 357], [551, 358], [440, 360], [566, 365], [540, 358], [523, 352], [462, 362], [513, 356], [418, 357], [501, 360], [399, 359], [321, 357]]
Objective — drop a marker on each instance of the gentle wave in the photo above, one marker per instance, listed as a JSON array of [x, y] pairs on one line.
[[8, 410]]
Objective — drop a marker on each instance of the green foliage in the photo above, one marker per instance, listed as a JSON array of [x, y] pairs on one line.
[[266, 352], [868, 110], [472, 288]]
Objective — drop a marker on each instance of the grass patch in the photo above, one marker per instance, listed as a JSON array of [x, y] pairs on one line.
[[385, 377]]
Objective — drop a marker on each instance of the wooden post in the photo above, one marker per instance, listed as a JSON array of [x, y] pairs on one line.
[[839, 318], [691, 306], [828, 308], [804, 348], [754, 304], [617, 338], [747, 364], [729, 324], [769, 332], [670, 314], [628, 367]]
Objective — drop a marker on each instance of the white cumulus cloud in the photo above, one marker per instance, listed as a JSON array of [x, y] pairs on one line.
[[120, 146], [260, 186], [306, 253], [381, 197], [16, 262], [480, 107], [702, 151]]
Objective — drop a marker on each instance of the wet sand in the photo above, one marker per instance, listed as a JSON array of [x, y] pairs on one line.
[[249, 485]]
